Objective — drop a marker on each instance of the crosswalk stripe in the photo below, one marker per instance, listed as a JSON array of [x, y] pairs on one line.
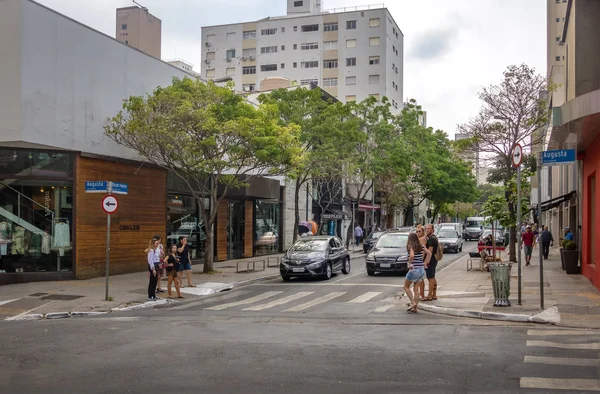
[[384, 308], [211, 300], [317, 301], [560, 332], [282, 301], [365, 297], [250, 300], [577, 362], [560, 384], [590, 346]]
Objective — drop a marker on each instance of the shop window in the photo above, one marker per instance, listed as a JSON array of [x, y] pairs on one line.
[[27, 163], [266, 227], [184, 220]]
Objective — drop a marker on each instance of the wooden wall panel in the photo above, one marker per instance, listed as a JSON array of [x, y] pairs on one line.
[[249, 229], [222, 221], [145, 206]]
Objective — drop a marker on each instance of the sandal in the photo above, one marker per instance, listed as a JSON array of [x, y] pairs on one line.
[[426, 299], [180, 297]]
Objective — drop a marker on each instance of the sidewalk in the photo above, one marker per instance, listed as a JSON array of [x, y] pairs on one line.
[[578, 302], [126, 291]]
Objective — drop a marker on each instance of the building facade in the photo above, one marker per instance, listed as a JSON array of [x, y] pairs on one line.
[[138, 28], [352, 54]]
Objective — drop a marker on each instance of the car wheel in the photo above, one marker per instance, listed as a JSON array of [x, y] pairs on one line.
[[346, 269], [370, 272], [328, 272], [285, 278]]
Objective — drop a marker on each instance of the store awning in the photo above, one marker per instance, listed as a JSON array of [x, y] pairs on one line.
[[367, 207], [555, 202], [332, 213]]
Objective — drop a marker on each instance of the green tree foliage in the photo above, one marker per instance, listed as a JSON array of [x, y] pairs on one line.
[[209, 138]]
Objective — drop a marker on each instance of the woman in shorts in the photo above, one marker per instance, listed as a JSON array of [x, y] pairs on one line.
[[172, 261], [418, 260]]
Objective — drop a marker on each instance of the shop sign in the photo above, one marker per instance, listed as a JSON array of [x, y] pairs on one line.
[[129, 227], [332, 216]]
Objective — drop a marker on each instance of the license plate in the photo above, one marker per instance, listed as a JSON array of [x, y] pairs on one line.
[[298, 269], [386, 265]]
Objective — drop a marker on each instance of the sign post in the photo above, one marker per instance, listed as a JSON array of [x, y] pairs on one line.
[[517, 160]]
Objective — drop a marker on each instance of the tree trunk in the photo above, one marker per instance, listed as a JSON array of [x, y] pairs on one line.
[[297, 208], [208, 251]]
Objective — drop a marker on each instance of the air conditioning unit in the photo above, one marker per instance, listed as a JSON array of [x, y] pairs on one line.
[[207, 61], [244, 58], [207, 44], [229, 59], [252, 58]]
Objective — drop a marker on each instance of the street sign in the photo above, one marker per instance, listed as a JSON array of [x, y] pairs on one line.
[[96, 186], [517, 155], [558, 157], [119, 188], [110, 204]]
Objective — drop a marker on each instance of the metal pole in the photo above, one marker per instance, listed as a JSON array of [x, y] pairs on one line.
[[352, 230], [373, 207], [307, 201], [107, 245], [519, 239], [539, 198]]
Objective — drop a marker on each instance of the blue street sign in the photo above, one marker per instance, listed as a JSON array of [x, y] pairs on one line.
[[96, 186], [119, 188], [558, 157]]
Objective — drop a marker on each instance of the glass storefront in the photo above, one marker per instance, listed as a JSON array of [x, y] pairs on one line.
[[184, 219], [266, 227]]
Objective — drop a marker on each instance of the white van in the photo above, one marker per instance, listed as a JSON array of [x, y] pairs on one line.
[[474, 227]]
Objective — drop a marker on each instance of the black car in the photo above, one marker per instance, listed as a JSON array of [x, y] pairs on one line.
[[499, 237], [315, 256], [370, 240], [389, 253], [449, 238]]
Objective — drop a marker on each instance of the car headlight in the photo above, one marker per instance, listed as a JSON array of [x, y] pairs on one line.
[[402, 258], [370, 258], [315, 263]]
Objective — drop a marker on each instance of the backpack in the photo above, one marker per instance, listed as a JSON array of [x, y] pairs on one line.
[[439, 253]]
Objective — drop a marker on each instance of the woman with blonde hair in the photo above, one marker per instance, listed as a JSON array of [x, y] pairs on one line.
[[418, 260], [153, 258]]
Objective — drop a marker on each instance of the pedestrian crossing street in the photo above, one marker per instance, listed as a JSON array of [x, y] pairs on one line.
[[290, 301], [566, 360]]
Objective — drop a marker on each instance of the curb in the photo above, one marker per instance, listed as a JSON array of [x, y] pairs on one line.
[[548, 316]]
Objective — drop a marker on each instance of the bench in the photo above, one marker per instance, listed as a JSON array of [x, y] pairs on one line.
[[250, 265]]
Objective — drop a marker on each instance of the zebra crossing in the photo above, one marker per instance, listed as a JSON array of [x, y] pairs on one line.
[[561, 360]]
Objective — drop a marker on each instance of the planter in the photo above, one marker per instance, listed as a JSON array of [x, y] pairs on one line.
[[562, 259], [571, 259]]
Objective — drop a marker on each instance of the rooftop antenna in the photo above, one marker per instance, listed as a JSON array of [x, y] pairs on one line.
[[141, 6]]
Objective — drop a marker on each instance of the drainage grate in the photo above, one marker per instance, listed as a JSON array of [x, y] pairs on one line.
[[574, 316], [37, 294], [61, 297]]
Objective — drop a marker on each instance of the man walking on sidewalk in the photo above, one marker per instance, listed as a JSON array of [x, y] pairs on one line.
[[547, 240], [528, 239], [358, 233]]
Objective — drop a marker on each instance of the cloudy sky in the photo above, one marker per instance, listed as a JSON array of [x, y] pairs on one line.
[[452, 47]]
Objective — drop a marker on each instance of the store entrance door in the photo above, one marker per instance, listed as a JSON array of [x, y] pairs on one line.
[[235, 230]]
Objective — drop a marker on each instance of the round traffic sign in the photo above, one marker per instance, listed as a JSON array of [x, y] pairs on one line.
[[517, 155], [110, 204]]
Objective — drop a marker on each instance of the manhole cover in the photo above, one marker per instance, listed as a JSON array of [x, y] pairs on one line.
[[61, 297], [37, 294]]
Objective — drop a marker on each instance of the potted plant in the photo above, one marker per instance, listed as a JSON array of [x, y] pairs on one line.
[[562, 247], [570, 256]]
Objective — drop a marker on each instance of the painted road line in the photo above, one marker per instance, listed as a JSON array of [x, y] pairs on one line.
[[365, 297], [317, 301], [212, 299], [583, 346], [561, 332], [384, 308], [282, 301], [247, 301], [576, 362], [8, 301], [560, 384], [27, 312]]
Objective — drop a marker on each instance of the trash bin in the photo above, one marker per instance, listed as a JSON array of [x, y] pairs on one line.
[[500, 273]]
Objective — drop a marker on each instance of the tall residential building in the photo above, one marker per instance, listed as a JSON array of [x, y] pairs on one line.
[[352, 53], [138, 28]]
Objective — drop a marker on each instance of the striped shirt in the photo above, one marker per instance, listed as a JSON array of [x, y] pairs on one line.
[[418, 261]]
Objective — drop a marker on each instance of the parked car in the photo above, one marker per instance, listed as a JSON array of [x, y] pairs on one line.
[[389, 253], [449, 238], [499, 235], [458, 227], [315, 256], [370, 240], [473, 228]]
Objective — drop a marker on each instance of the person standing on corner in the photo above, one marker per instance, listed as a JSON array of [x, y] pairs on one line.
[[432, 245], [420, 231], [153, 257], [185, 262], [172, 261], [418, 260], [547, 240], [160, 267], [528, 239]]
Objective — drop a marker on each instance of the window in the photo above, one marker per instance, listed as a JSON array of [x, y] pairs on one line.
[[282, 66], [374, 41], [394, 48], [558, 58], [350, 43], [350, 25], [295, 65], [268, 32], [376, 95], [271, 49], [230, 53], [563, 19], [230, 71], [350, 61], [124, 26], [350, 80], [330, 63], [393, 30], [283, 29], [268, 67], [557, 39], [309, 45], [283, 47], [309, 81], [127, 42], [210, 55], [350, 97], [295, 28], [249, 34], [298, 3], [330, 27], [373, 79], [558, 19], [308, 28], [251, 87], [249, 70], [210, 73], [230, 36], [393, 66], [310, 64], [557, 1], [330, 82], [330, 45], [295, 46], [393, 84], [374, 22], [373, 60], [249, 52]]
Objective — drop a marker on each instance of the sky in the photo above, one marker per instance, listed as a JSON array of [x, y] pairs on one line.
[[452, 48]]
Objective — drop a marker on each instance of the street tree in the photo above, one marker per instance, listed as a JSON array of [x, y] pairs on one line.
[[209, 138], [513, 112]]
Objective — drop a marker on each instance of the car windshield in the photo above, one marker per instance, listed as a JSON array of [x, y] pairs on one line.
[[474, 223], [376, 235], [312, 245], [489, 232], [447, 234], [392, 241]]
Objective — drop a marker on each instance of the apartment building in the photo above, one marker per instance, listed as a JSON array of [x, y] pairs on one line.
[[138, 28], [352, 53], [183, 65]]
